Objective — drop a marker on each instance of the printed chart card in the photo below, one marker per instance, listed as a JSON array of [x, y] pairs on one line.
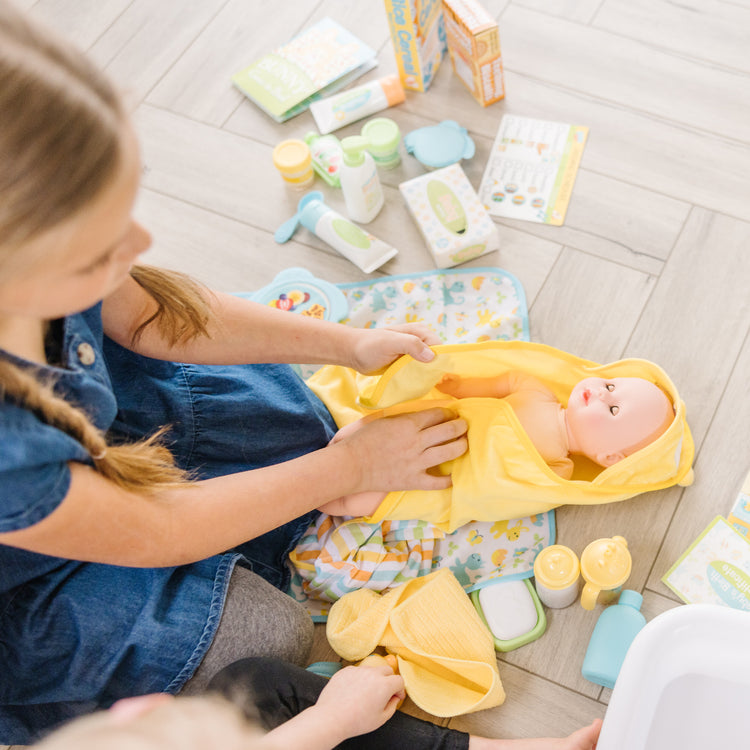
[[532, 168], [715, 569]]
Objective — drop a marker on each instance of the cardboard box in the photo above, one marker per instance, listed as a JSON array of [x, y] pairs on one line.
[[418, 37], [474, 46], [452, 220]]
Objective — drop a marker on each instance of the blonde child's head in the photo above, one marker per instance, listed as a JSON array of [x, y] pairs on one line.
[[65, 138], [61, 124], [191, 723]]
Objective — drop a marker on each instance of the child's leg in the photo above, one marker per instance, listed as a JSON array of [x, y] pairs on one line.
[[258, 620], [272, 692], [280, 691]]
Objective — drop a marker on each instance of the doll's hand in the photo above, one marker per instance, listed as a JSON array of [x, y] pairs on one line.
[[357, 505], [395, 453], [450, 384], [376, 348], [360, 699]]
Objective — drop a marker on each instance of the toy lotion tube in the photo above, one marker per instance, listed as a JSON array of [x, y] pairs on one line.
[[336, 111], [358, 246]]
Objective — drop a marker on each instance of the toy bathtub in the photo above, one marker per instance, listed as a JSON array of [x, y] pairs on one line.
[[684, 685]]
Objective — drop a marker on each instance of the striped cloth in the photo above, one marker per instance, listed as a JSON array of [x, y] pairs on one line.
[[338, 555]]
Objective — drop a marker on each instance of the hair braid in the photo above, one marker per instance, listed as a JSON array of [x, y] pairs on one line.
[[143, 466]]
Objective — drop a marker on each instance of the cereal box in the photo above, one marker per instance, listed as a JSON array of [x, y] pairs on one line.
[[418, 37], [453, 222], [474, 46]]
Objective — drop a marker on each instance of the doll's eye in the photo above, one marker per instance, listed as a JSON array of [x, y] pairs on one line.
[[613, 410], [610, 386]]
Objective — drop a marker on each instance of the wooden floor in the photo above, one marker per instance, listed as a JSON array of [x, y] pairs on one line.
[[653, 260]]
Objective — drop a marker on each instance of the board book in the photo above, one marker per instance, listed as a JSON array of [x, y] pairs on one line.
[[317, 62]]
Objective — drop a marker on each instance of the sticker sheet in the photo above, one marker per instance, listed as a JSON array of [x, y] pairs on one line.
[[532, 168]]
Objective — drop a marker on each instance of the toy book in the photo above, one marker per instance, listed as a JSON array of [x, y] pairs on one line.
[[532, 168], [317, 62], [715, 569]]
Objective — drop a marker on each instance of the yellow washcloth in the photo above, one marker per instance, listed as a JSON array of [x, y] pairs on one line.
[[445, 653]]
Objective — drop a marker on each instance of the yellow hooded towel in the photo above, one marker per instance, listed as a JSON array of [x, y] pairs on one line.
[[502, 476], [445, 654]]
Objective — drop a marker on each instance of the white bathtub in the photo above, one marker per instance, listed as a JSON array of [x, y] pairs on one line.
[[684, 685]]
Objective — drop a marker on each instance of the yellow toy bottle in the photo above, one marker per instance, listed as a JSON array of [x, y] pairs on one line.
[[556, 572], [605, 566]]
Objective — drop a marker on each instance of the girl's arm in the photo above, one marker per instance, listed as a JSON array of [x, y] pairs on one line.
[[244, 332], [356, 700], [98, 521]]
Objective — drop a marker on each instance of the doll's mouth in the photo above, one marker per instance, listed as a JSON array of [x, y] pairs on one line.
[[586, 396]]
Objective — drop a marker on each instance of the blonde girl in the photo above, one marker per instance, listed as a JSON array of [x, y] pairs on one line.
[[147, 506]]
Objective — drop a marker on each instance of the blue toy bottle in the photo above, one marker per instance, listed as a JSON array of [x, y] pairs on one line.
[[615, 630]]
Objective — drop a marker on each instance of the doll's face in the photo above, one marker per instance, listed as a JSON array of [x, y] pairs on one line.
[[610, 419]]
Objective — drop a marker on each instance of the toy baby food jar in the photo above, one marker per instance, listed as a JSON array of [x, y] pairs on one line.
[[605, 566], [556, 575], [294, 161]]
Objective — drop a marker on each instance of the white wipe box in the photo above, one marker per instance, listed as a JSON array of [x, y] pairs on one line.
[[452, 220]]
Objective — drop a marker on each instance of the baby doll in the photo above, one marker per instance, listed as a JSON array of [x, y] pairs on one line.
[[605, 420]]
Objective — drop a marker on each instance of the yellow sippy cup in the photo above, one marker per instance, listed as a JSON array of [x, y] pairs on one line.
[[605, 566], [556, 571]]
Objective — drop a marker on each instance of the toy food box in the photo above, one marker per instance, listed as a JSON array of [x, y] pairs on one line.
[[453, 222], [418, 36], [474, 46]]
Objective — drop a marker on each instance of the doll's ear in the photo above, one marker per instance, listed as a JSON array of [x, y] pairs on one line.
[[608, 459]]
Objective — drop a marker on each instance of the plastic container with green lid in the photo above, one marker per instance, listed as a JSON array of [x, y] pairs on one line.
[[384, 139]]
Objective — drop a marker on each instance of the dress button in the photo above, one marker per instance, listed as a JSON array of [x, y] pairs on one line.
[[86, 354]]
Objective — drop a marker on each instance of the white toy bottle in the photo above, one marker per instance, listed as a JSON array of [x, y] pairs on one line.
[[360, 183]]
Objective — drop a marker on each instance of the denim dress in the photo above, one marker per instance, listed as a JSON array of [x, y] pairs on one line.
[[76, 636]]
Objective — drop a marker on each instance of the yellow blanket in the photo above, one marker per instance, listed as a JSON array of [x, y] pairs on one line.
[[445, 653], [502, 476]]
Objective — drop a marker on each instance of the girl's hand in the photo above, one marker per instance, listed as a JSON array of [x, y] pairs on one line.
[[376, 348], [360, 699], [395, 453]]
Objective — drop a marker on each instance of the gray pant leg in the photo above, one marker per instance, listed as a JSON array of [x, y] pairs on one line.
[[258, 620]]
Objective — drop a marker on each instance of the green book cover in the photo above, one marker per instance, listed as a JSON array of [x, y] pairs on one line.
[[317, 62]]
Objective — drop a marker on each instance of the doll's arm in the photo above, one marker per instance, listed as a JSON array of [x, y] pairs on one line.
[[493, 387]]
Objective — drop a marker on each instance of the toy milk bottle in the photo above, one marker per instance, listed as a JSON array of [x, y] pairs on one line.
[[615, 630], [605, 566], [556, 575]]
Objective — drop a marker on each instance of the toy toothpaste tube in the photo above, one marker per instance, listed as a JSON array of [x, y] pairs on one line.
[[336, 111], [361, 248]]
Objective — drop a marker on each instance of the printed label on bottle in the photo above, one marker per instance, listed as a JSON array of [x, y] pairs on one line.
[[371, 190]]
